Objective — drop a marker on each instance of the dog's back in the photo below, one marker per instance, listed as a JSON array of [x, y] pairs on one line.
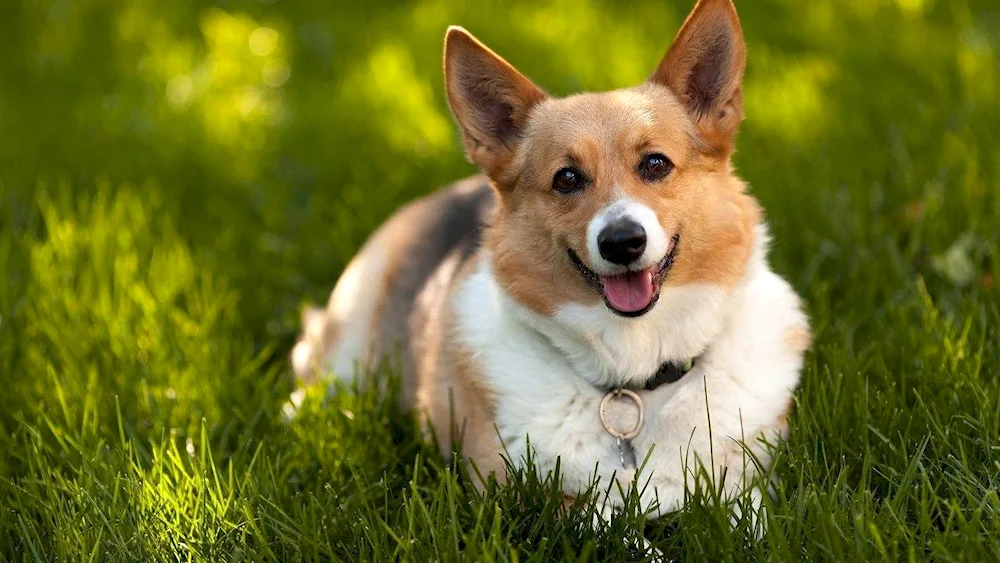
[[381, 302]]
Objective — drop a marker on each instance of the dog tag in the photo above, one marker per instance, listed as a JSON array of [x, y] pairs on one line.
[[615, 399], [626, 453]]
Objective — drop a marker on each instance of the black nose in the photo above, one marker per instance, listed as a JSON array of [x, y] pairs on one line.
[[622, 241]]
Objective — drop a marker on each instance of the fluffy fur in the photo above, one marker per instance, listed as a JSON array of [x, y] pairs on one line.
[[505, 342]]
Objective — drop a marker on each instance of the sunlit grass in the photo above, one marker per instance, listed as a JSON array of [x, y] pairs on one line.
[[178, 179]]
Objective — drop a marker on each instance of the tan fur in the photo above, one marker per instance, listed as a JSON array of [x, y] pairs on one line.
[[798, 339], [395, 288], [454, 400], [605, 135], [782, 423], [393, 243], [320, 333]]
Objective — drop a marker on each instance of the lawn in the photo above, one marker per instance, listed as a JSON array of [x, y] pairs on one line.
[[177, 179]]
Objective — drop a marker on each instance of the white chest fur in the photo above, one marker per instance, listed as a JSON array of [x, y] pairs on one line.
[[548, 376]]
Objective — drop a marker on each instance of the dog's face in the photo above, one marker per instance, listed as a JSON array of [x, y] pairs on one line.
[[612, 196]]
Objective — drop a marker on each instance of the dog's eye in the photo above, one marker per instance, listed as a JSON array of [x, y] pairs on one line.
[[568, 180], [654, 167]]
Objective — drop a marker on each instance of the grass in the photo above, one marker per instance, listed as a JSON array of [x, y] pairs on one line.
[[176, 182]]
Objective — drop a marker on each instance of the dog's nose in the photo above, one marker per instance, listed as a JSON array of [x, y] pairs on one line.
[[622, 241]]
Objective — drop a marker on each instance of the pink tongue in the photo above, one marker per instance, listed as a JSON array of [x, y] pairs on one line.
[[629, 292]]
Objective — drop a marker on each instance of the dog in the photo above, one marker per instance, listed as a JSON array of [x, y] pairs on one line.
[[600, 295]]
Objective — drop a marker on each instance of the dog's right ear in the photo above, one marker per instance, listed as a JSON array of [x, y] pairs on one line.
[[490, 99], [704, 69]]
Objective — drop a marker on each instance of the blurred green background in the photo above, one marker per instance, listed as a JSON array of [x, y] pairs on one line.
[[177, 179]]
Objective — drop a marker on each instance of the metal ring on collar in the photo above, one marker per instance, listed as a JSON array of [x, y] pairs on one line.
[[616, 393]]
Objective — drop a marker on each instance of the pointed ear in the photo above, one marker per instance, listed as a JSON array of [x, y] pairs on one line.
[[490, 99], [704, 69]]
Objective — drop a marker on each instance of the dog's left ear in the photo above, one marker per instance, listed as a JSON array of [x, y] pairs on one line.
[[704, 69], [490, 99]]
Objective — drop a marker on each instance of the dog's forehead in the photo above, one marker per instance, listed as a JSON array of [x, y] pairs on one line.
[[610, 121]]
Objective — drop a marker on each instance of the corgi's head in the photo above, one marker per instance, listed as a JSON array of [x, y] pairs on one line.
[[612, 196]]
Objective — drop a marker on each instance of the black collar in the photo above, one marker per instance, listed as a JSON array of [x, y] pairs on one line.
[[669, 372]]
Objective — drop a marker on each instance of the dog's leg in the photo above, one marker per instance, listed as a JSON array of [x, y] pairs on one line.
[[338, 340], [341, 339], [308, 351]]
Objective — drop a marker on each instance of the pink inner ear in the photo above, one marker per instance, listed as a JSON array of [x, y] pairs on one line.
[[498, 105], [712, 74], [489, 98], [704, 66], [494, 113], [704, 69]]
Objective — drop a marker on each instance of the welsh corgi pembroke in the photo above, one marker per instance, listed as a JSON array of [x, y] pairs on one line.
[[600, 293]]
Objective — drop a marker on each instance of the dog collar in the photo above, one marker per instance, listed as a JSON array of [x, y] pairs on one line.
[[669, 372]]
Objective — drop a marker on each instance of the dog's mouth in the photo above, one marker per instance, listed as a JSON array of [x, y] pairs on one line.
[[632, 293]]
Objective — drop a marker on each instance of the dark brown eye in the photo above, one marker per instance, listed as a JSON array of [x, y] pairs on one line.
[[568, 180], [654, 167]]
